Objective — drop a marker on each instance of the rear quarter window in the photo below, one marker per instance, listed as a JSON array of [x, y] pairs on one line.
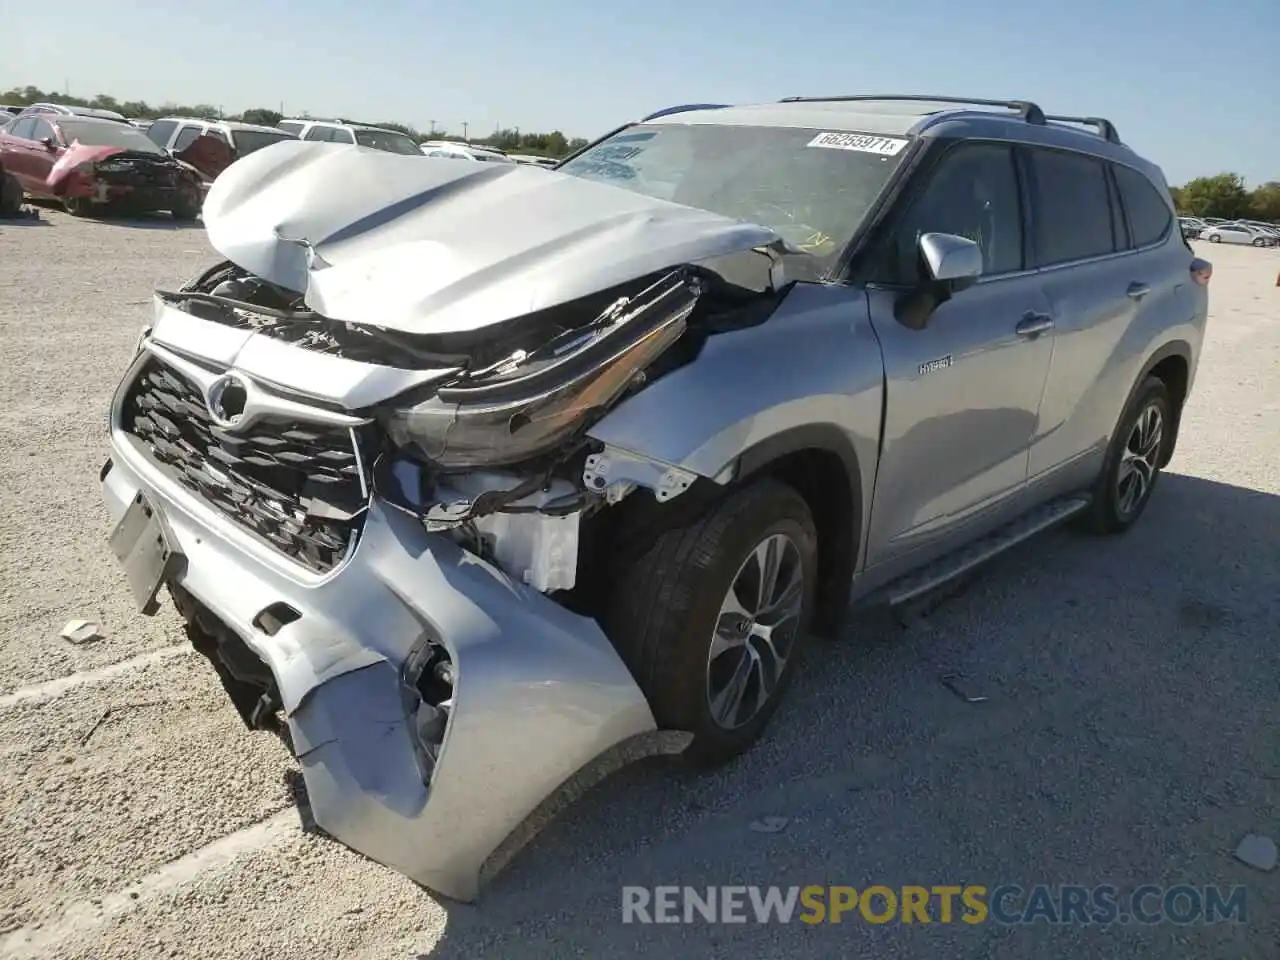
[[1149, 214], [1072, 204]]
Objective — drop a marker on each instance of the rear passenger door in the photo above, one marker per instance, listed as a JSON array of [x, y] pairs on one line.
[[1097, 278], [962, 394]]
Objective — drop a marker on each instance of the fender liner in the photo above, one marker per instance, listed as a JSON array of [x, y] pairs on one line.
[[839, 556], [1173, 348]]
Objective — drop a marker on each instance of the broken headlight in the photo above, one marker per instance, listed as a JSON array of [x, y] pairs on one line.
[[526, 405]]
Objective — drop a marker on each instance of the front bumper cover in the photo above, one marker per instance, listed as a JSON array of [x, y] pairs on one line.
[[542, 705]]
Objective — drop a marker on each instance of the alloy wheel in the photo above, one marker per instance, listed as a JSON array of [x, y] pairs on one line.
[[1140, 460], [755, 632]]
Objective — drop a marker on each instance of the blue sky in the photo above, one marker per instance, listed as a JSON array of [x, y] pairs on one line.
[[1191, 85]]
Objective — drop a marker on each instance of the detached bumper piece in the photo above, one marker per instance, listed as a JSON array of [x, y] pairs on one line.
[[440, 711]]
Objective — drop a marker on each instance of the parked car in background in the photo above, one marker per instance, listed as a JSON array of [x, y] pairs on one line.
[[1191, 226], [90, 163], [452, 150], [69, 110], [357, 134], [7, 111], [475, 484], [1235, 233], [535, 160], [1269, 230], [226, 141]]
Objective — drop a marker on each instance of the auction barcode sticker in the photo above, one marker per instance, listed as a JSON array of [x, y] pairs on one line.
[[861, 142]]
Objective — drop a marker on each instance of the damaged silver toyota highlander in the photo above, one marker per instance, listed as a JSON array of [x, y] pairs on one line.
[[474, 481]]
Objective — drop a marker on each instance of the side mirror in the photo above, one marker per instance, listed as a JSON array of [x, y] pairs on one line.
[[955, 261], [49, 143], [953, 264]]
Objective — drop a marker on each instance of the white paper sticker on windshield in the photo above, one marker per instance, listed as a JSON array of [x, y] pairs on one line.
[[861, 142]]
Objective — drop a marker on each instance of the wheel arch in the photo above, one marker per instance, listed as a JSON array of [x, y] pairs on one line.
[[820, 463], [1170, 363]]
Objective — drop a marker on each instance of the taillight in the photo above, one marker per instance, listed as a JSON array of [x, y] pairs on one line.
[[1201, 271]]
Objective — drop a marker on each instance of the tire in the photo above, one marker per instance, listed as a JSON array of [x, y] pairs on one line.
[[663, 612], [78, 206], [1215, 238], [1134, 457], [10, 195], [1259, 242], [186, 205]]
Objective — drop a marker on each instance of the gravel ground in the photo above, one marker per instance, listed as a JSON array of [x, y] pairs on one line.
[[1130, 735]]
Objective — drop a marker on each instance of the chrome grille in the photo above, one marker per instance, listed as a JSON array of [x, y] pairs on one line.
[[296, 485]]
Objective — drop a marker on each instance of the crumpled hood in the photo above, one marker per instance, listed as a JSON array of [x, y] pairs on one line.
[[60, 175], [75, 155], [427, 245]]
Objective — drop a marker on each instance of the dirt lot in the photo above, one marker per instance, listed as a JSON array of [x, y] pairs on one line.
[[1132, 731]]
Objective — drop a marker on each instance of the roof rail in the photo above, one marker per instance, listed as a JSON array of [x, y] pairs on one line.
[[1029, 111], [1106, 128], [684, 108]]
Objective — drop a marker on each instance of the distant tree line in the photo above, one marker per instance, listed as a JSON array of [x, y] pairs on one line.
[[1225, 196], [553, 144]]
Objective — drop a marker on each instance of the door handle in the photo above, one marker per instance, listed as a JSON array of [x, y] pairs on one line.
[[1138, 290], [1034, 324]]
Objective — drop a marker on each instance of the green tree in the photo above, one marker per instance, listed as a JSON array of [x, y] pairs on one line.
[[1222, 195], [268, 118], [1264, 202]]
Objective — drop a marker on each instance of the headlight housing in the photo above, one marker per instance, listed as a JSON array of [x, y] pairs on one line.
[[524, 407]]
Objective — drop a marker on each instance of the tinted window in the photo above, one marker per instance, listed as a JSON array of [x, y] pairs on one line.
[[41, 129], [813, 187], [248, 141], [160, 131], [186, 136], [973, 194], [290, 126], [1072, 205], [218, 135], [105, 133], [1149, 215], [22, 128], [319, 133], [388, 141]]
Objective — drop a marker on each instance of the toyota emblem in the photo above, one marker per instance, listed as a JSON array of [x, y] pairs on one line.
[[226, 399]]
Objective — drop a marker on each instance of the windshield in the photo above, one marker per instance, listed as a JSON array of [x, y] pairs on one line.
[[812, 187], [387, 140], [248, 141], [95, 134]]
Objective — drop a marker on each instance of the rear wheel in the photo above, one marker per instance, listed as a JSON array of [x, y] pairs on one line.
[[712, 620], [1215, 238], [1133, 461], [1259, 242]]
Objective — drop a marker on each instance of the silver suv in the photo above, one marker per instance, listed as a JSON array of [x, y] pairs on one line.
[[485, 479]]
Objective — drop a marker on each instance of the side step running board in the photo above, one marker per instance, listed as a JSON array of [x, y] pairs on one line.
[[953, 565]]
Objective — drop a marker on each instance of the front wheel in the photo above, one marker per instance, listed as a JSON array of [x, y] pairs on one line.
[[1215, 238], [78, 206], [1259, 242], [1133, 460], [10, 195], [186, 205], [712, 620]]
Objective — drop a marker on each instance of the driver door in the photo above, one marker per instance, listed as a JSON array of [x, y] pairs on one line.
[[962, 393], [41, 157]]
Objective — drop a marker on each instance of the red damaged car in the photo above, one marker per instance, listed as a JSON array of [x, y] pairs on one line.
[[90, 164]]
